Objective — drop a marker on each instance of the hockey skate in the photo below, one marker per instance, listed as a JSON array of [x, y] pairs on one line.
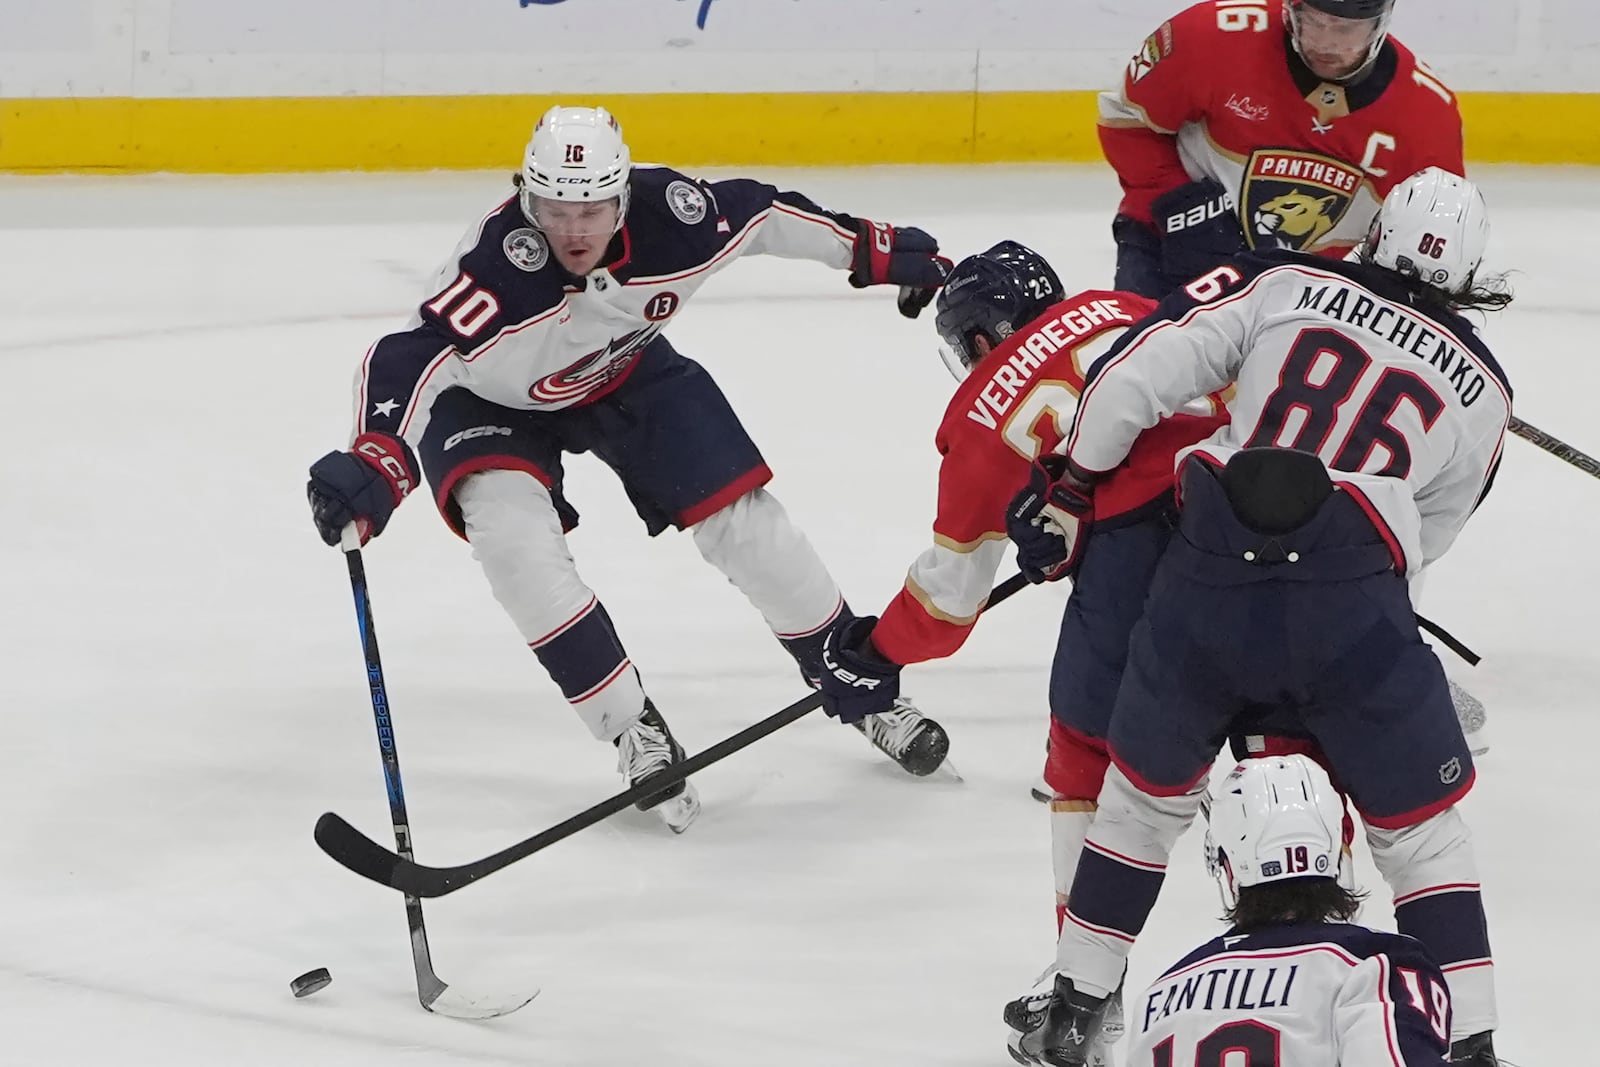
[[647, 748], [1475, 1051], [1473, 718], [917, 743], [1026, 1014], [1070, 1026]]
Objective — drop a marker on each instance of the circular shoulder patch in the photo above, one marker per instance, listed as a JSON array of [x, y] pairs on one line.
[[526, 250], [686, 201]]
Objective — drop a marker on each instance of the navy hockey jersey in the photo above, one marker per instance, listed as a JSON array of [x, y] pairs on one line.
[[1318, 995], [506, 322]]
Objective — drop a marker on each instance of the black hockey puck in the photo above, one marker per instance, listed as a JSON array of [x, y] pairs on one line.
[[310, 982]]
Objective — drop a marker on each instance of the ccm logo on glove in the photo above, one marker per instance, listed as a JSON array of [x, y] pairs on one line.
[[377, 451]]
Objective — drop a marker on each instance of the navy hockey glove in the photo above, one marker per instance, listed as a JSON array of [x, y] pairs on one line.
[[362, 486], [856, 680], [1199, 229], [1049, 521], [905, 256]]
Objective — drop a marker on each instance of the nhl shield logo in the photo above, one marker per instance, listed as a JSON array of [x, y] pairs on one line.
[[1293, 199], [526, 249], [1450, 771]]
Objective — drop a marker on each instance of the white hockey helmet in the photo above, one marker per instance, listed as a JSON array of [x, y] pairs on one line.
[[1434, 227], [576, 154], [1274, 818]]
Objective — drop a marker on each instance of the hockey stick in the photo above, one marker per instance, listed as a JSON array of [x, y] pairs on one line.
[[432, 992], [1556, 447], [1449, 640], [364, 856]]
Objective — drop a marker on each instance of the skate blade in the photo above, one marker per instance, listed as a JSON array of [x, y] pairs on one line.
[[680, 811]]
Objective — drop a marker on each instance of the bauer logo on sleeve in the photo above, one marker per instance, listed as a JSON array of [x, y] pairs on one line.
[[686, 201], [1293, 199], [526, 249]]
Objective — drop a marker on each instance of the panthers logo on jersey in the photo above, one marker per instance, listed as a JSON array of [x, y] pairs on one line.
[[1293, 199], [1156, 47]]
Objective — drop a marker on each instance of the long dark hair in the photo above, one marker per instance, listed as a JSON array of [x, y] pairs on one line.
[[1293, 901], [1492, 293]]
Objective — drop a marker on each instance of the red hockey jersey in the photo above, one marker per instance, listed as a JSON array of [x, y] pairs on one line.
[[1015, 405], [1219, 91]]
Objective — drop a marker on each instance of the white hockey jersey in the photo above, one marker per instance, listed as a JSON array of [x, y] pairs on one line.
[[1403, 403], [1320, 995], [505, 322]]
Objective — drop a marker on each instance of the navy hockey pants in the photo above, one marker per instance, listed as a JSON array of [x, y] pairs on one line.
[[667, 431], [1329, 640]]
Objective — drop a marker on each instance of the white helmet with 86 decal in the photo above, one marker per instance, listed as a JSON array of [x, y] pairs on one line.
[[576, 159], [1433, 227]]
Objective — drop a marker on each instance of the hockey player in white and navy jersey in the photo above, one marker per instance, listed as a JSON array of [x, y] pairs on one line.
[[542, 336], [1293, 982], [1367, 425]]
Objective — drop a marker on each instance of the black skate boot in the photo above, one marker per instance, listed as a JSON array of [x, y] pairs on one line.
[[917, 743], [1068, 1034], [1027, 1013], [1475, 1051], [647, 749]]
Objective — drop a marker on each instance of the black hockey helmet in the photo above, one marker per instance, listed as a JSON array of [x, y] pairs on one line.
[[992, 294], [1377, 12], [1348, 9]]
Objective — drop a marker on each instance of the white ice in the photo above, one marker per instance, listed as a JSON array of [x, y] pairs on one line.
[[182, 683]]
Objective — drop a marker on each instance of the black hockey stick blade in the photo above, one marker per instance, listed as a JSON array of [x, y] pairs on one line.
[[359, 853], [355, 850]]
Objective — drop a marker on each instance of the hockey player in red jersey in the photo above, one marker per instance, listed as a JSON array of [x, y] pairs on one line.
[[1021, 349], [1265, 124]]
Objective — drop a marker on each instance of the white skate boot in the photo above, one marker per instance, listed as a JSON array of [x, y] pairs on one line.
[[647, 748], [914, 741]]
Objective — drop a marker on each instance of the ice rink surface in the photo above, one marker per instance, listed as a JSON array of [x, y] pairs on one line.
[[183, 690]]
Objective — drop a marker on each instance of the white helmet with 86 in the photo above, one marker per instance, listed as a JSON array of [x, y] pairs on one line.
[[576, 156], [1273, 819], [1434, 227]]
